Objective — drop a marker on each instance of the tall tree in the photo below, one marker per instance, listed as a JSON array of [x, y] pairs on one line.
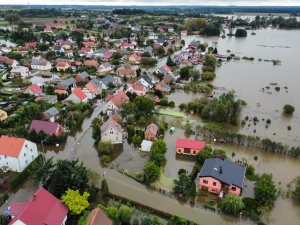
[[13, 18], [265, 190], [232, 204]]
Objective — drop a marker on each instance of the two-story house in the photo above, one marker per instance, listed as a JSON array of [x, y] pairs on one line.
[[40, 64], [112, 131]]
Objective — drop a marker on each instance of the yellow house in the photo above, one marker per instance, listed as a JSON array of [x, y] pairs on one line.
[[3, 115]]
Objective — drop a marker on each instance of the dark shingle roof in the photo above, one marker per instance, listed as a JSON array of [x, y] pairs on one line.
[[39, 62], [66, 83], [83, 75], [107, 79], [232, 173], [51, 112], [96, 82], [147, 79]]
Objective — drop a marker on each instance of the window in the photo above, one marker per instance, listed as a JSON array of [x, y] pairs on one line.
[[214, 183], [205, 181], [233, 188], [179, 150], [213, 190], [26, 162], [5, 157], [6, 163], [31, 149], [32, 157], [0, 158], [194, 152], [24, 154]]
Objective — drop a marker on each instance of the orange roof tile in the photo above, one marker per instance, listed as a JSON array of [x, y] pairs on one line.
[[79, 93], [91, 87], [61, 92], [11, 146]]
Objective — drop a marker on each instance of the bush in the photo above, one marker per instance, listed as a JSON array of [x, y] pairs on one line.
[[105, 159], [208, 76], [181, 171], [241, 33], [288, 109]]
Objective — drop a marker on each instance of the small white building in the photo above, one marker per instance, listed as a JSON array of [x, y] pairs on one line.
[[20, 70], [16, 153], [146, 146], [40, 64]]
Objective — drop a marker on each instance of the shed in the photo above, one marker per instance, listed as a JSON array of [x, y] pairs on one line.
[[146, 146]]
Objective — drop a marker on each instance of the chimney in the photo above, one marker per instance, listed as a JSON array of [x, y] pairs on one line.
[[33, 197], [220, 170]]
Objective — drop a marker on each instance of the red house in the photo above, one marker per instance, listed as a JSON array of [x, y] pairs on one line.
[[189, 147], [49, 128], [221, 177], [40, 208]]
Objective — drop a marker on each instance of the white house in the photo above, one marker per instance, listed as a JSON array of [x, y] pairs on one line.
[[20, 70], [105, 67], [92, 88], [41, 64], [112, 131], [146, 81], [16, 153], [146, 146]]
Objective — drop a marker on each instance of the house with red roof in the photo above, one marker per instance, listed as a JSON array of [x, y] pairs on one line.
[[126, 45], [41, 208], [92, 63], [62, 65], [88, 44], [84, 51], [126, 72], [151, 132], [31, 45], [33, 89], [92, 88], [114, 102], [77, 96], [8, 61], [98, 217], [112, 131], [107, 55], [138, 89], [48, 30], [189, 147], [49, 128], [134, 58], [183, 33], [16, 153]]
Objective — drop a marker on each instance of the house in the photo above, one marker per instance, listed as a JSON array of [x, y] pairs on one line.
[[129, 73], [194, 44], [160, 41], [134, 58], [114, 103], [107, 55], [189, 147], [88, 44], [170, 29], [126, 45], [138, 89], [62, 66], [112, 131], [49, 128], [51, 115], [31, 45], [219, 175], [163, 86], [82, 77], [77, 96], [148, 49], [164, 70], [146, 146], [23, 50], [183, 33], [84, 51], [92, 63], [105, 67], [41, 208], [151, 132], [3, 115], [40, 64], [106, 80], [98, 217], [8, 61], [52, 99], [60, 92], [20, 70], [146, 81], [92, 88], [16, 153], [67, 84], [33, 89], [58, 48]]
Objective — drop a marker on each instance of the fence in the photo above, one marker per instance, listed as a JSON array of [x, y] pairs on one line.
[[200, 206]]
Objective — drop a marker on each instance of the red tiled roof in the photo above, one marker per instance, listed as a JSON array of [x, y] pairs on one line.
[[110, 123], [31, 44], [119, 99], [168, 69], [41, 208], [11, 146], [136, 87], [124, 71], [61, 91], [88, 43], [91, 63], [79, 94], [61, 64], [84, 49], [49, 128], [98, 217], [38, 98], [152, 128], [185, 143], [35, 89], [91, 87]]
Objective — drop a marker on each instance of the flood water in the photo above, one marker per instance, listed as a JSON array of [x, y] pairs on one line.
[[247, 78]]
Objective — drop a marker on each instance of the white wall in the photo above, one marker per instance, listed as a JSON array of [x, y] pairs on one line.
[[112, 135]]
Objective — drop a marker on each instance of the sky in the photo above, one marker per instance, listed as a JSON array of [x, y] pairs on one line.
[[162, 2]]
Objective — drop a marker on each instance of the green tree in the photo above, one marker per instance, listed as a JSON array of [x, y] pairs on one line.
[[13, 18], [288, 109], [43, 47], [96, 125], [113, 213], [193, 190], [194, 73], [49, 90], [104, 147], [296, 193], [203, 155], [104, 186], [76, 203], [265, 190], [157, 153], [182, 185], [220, 152], [151, 172], [144, 105], [4, 220], [160, 51], [125, 214], [177, 220], [232, 204], [240, 33], [184, 72]]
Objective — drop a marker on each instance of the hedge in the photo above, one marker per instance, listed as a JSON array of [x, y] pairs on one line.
[[3, 198], [25, 173]]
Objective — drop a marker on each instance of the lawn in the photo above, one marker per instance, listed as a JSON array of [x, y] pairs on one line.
[[164, 183], [204, 197]]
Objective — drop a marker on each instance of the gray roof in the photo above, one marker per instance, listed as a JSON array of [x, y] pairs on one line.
[[38, 62], [106, 65], [61, 60], [107, 79], [127, 66], [83, 75], [51, 112], [160, 40], [232, 173], [162, 70], [195, 43], [147, 79], [110, 123], [57, 48], [96, 82], [66, 83]]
